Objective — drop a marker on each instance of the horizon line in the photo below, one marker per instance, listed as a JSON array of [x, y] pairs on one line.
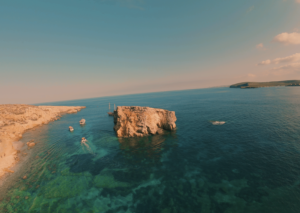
[[129, 94]]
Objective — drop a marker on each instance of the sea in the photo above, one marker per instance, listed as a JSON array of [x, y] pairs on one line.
[[251, 163]]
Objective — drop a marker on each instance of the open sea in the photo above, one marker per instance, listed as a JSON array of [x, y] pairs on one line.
[[249, 164]]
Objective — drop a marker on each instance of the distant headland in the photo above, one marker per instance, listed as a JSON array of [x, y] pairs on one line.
[[249, 85]]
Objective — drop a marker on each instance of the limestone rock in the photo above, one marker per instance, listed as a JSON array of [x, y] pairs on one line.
[[15, 119], [30, 144], [132, 121], [8, 170]]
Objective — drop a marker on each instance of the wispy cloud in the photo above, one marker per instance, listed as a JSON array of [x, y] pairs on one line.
[[295, 66], [260, 46], [286, 69], [266, 62], [292, 58], [288, 38], [251, 75], [291, 65]]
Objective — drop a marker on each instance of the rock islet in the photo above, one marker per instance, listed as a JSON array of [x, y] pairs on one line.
[[136, 121]]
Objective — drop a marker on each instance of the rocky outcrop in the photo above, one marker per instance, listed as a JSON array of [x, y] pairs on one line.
[[30, 144], [135, 121], [15, 119]]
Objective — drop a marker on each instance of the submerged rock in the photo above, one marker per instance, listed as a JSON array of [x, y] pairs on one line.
[[30, 144], [141, 121]]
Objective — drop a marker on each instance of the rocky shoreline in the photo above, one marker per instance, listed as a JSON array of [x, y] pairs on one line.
[[15, 119]]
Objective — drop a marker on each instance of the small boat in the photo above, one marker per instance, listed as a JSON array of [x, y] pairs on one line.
[[83, 140], [82, 121], [218, 122], [111, 113], [71, 129]]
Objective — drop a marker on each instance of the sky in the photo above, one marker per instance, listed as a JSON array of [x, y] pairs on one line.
[[74, 49]]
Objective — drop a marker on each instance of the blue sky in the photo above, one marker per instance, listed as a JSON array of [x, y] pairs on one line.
[[61, 50]]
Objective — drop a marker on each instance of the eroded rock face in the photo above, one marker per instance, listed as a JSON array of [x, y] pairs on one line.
[[135, 121]]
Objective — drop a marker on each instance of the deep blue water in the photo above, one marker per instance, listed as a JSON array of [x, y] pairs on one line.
[[249, 164]]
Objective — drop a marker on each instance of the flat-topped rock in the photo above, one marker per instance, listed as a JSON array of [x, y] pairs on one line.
[[135, 121]]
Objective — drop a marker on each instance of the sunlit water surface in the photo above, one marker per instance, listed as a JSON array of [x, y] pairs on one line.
[[249, 164]]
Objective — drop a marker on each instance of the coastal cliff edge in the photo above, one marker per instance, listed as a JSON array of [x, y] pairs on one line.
[[15, 119]]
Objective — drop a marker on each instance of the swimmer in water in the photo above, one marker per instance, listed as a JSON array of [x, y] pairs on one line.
[[83, 141]]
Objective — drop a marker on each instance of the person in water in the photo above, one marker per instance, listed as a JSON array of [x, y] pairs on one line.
[[83, 141]]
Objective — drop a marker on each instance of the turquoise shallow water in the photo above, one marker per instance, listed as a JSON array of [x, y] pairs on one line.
[[249, 164]]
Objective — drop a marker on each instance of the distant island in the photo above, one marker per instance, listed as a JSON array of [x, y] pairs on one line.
[[249, 85]]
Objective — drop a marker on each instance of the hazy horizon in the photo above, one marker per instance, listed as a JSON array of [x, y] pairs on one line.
[[108, 96], [68, 50]]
